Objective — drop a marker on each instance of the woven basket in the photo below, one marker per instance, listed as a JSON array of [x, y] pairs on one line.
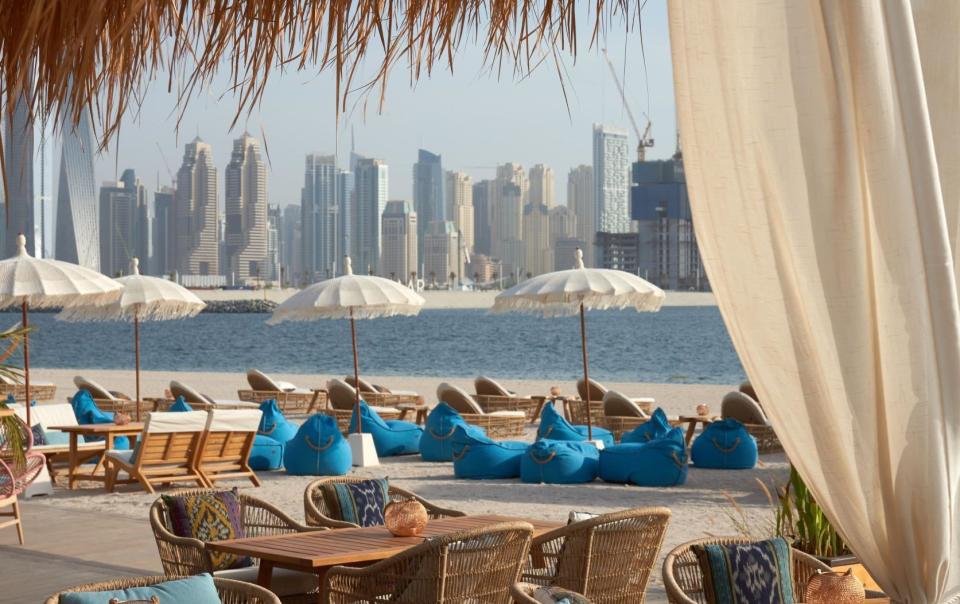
[[405, 518], [834, 588]]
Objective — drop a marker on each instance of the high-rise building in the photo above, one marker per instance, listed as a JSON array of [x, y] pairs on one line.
[[482, 195], [611, 179], [245, 208], [563, 225], [163, 259], [580, 199], [290, 246], [441, 254], [347, 198], [428, 188], [399, 236], [459, 195], [537, 257], [124, 228], [78, 239], [370, 201], [541, 185], [320, 224], [506, 215], [18, 149], [564, 253], [196, 237], [274, 242]]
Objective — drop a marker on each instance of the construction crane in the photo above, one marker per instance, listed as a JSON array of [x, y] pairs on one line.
[[165, 163], [643, 140]]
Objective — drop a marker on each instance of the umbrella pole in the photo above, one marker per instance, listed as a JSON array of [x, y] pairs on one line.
[[136, 354], [356, 373], [586, 372], [26, 358]]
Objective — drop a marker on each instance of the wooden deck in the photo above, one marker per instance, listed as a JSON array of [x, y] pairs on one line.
[[65, 548]]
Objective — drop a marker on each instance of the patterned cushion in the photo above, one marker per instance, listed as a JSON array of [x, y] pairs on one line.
[[209, 517], [557, 595], [39, 438], [361, 503], [747, 573]]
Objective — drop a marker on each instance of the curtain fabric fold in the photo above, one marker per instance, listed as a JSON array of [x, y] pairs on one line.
[[821, 143]]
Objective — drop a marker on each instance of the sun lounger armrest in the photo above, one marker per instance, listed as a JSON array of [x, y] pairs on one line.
[[544, 554]]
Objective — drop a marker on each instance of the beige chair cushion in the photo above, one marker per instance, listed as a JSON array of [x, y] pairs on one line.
[[618, 405], [597, 390], [739, 406], [286, 581], [747, 388], [365, 386], [341, 394], [96, 390], [458, 398], [259, 380], [486, 386]]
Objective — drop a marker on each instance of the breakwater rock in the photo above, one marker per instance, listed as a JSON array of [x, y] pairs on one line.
[[240, 306]]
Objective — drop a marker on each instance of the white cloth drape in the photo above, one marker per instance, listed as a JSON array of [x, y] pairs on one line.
[[821, 144]]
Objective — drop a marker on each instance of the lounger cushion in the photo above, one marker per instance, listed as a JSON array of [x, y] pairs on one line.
[[181, 405], [361, 503], [198, 589], [656, 427], [87, 412], [725, 445], [286, 581], [436, 442], [556, 427], [266, 454], [560, 462], [318, 449], [477, 456], [390, 437], [747, 572], [657, 463], [209, 516], [274, 424]]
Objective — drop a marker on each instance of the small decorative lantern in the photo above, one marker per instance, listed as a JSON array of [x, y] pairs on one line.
[[703, 410], [405, 518], [554, 391], [834, 588], [121, 419]]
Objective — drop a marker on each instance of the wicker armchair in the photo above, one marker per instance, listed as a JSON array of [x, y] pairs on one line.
[[522, 593], [317, 513], [684, 582], [743, 408], [478, 565], [186, 556], [230, 592], [607, 558]]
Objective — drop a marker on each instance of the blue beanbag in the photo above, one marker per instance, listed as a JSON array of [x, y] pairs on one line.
[[560, 462], [266, 454], [87, 412], [657, 463], [318, 449], [655, 427], [556, 427], [181, 404], [724, 445], [392, 437], [436, 443], [274, 424], [475, 455]]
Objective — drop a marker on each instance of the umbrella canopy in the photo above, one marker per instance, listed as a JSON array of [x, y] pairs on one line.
[[41, 282], [350, 297], [143, 298], [565, 293]]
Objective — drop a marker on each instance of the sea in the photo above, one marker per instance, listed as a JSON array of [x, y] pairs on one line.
[[675, 345]]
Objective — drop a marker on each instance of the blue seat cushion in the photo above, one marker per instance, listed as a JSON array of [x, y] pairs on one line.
[[274, 424], [658, 463], [87, 412], [560, 462], [436, 442], [198, 589], [747, 572], [724, 445], [655, 427], [181, 405], [266, 454], [361, 503], [390, 438], [477, 456], [556, 427], [318, 449]]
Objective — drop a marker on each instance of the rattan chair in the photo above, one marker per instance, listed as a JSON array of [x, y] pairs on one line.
[[493, 397], [522, 593], [743, 408], [608, 558], [478, 565], [317, 513], [378, 394], [230, 592], [496, 424], [290, 399], [341, 398], [684, 582]]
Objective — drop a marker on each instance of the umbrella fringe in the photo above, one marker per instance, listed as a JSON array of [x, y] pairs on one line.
[[359, 312], [42, 300], [568, 305], [164, 310]]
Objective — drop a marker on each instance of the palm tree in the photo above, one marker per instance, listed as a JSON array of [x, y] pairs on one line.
[[13, 338]]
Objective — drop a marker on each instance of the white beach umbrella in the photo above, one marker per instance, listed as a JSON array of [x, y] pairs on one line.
[[565, 293], [44, 283], [143, 298], [354, 297]]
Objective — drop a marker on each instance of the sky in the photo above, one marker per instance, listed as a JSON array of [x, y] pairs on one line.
[[474, 119]]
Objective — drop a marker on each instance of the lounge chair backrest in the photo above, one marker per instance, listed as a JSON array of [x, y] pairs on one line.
[[597, 390], [171, 439], [458, 398], [747, 388], [189, 394], [173, 422], [56, 414], [739, 406], [365, 386], [616, 404], [234, 420], [262, 382], [96, 390], [341, 394], [488, 387], [230, 435]]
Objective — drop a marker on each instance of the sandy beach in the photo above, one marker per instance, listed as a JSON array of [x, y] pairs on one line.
[[708, 504]]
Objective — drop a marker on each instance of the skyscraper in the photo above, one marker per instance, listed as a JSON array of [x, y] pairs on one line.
[[611, 179], [290, 258], [441, 253], [563, 224], [580, 199], [163, 259], [274, 242], [370, 200], [428, 192], [459, 196], [123, 224], [541, 185], [482, 194], [399, 236], [245, 205], [320, 219], [18, 149], [506, 215], [537, 257], [347, 197], [78, 239], [196, 240]]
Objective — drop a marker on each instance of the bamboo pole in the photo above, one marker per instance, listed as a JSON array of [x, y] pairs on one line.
[[356, 373], [26, 357], [136, 353], [586, 372]]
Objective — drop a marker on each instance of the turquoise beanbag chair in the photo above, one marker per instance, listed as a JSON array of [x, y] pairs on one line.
[[318, 449], [657, 463], [560, 462], [266, 454], [274, 424], [724, 445], [655, 427], [475, 455], [556, 427], [198, 589], [87, 412], [392, 437], [180, 405], [436, 442]]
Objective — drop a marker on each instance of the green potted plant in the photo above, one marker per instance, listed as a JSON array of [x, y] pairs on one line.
[[8, 419]]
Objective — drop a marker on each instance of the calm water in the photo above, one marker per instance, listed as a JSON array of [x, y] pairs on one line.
[[678, 344]]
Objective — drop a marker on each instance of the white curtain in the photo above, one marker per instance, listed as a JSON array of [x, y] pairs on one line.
[[821, 145]]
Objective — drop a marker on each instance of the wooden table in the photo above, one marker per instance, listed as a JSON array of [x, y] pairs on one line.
[[692, 421], [420, 409], [317, 551], [108, 431]]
